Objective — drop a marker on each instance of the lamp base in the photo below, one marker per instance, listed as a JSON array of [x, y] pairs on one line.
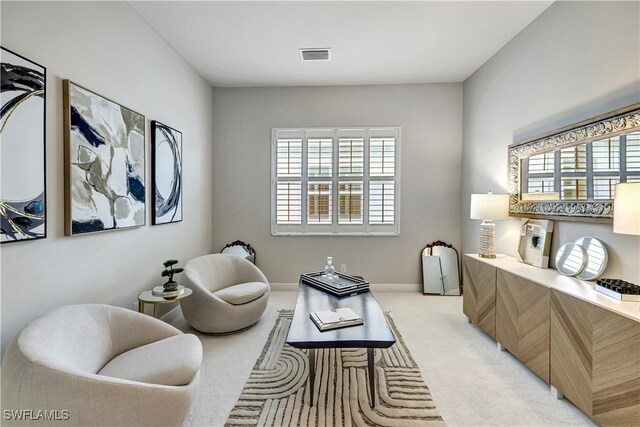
[[487, 239]]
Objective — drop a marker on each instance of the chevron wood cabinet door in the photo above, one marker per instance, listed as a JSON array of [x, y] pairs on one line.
[[479, 294], [571, 348], [615, 369], [595, 360], [522, 320]]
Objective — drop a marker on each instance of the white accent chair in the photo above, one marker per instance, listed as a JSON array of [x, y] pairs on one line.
[[104, 366], [229, 293]]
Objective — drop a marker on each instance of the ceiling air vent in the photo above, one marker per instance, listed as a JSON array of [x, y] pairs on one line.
[[314, 54]]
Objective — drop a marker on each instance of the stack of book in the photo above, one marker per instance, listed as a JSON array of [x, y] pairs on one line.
[[336, 318], [345, 285]]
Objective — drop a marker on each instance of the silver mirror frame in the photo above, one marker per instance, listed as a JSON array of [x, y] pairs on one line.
[[624, 120]]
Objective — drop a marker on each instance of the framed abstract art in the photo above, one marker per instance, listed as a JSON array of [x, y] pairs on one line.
[[104, 163], [166, 173], [22, 131]]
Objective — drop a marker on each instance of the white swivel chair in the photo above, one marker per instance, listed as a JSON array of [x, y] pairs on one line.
[[229, 293], [97, 365]]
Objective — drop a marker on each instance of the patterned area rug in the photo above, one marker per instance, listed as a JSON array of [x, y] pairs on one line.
[[277, 391]]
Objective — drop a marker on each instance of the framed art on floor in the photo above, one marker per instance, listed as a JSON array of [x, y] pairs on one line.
[[104, 163], [22, 131], [166, 173]]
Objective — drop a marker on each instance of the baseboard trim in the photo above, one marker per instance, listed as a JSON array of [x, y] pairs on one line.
[[171, 315], [377, 287]]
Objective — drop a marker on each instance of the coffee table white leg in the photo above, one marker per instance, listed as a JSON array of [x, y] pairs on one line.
[[312, 373], [372, 376]]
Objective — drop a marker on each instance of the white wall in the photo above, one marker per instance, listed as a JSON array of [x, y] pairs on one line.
[[108, 48], [431, 120], [575, 61]]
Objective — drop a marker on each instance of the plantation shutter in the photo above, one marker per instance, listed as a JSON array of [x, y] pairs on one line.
[[335, 181]]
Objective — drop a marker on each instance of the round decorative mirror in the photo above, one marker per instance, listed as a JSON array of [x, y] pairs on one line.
[[596, 258], [571, 259]]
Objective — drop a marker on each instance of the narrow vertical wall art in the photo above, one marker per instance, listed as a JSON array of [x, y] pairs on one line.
[[104, 163], [166, 173], [22, 149]]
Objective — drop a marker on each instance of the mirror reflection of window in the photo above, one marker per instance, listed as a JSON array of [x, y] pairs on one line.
[[587, 171]]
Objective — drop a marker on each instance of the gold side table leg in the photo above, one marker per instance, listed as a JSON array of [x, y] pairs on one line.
[[140, 306], [155, 311]]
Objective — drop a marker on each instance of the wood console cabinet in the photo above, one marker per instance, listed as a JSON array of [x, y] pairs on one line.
[[522, 321], [479, 294], [583, 343], [595, 360]]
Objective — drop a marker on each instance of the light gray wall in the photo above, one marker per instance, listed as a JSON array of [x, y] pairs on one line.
[[108, 48], [431, 120], [575, 61]]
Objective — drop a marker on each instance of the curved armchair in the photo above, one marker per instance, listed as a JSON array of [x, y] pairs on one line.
[[58, 362], [229, 293]]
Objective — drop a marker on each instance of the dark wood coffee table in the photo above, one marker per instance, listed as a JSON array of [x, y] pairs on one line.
[[374, 333]]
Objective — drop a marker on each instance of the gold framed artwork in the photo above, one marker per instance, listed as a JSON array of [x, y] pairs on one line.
[[104, 163]]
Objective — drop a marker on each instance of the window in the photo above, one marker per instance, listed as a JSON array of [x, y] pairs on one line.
[[587, 171], [335, 181]]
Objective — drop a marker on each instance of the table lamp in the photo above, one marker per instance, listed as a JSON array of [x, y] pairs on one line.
[[626, 208], [489, 207]]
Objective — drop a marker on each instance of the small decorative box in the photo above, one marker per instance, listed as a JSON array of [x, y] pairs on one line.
[[618, 289]]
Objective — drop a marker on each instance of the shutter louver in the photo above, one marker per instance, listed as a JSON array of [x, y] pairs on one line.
[[319, 203], [382, 156], [633, 152], [289, 158], [381, 202], [320, 157], [350, 201], [606, 154], [289, 202], [541, 163], [350, 157]]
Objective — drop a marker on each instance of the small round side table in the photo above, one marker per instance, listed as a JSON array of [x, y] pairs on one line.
[[147, 297]]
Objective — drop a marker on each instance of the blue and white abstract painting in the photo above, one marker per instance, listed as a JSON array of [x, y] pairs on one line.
[[22, 150], [106, 163], [166, 173]]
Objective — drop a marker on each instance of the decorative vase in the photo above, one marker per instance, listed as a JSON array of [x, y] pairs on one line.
[[170, 286]]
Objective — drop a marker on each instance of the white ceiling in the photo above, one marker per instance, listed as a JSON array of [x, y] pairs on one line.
[[236, 43]]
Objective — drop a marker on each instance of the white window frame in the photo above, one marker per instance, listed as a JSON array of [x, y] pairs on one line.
[[336, 229]]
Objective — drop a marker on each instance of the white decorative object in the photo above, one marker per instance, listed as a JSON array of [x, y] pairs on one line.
[[535, 242], [626, 209], [489, 207], [597, 258], [571, 259]]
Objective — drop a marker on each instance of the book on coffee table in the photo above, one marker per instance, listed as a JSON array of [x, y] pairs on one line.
[[337, 318]]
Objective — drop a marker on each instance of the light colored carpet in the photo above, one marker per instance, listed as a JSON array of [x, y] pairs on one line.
[[277, 392], [472, 383]]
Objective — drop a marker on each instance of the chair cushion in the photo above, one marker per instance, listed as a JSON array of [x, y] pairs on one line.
[[242, 293], [171, 361]]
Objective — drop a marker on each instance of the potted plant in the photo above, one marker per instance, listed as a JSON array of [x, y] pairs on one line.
[[169, 271]]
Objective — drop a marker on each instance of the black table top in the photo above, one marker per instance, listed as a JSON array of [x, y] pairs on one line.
[[303, 333]]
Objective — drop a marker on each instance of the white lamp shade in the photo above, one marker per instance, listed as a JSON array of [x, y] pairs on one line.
[[490, 206], [626, 208]]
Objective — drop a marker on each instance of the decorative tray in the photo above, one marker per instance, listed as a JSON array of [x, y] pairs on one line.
[[348, 285], [618, 289]]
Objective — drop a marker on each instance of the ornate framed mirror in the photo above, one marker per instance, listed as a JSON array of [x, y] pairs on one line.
[[571, 173]]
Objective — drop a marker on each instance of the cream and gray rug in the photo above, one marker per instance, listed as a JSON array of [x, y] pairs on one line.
[[277, 391]]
